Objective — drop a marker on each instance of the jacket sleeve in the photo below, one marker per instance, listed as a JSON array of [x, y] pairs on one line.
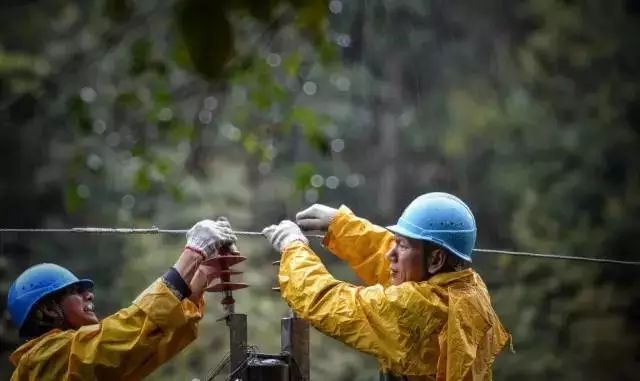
[[173, 341], [361, 244], [375, 320], [136, 340]]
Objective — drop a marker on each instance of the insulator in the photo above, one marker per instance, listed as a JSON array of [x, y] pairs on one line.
[[223, 262], [228, 250], [226, 286], [224, 273], [227, 256]]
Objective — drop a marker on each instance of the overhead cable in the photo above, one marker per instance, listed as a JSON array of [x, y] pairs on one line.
[[156, 230]]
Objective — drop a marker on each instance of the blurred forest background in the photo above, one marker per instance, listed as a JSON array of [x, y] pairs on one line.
[[133, 114]]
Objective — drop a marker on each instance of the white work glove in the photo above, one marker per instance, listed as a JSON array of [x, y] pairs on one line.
[[208, 236], [283, 234], [316, 217]]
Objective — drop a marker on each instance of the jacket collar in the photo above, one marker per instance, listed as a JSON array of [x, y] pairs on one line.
[[26, 347], [445, 279]]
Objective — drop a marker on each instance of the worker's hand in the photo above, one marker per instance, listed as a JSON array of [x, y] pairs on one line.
[[316, 217], [207, 236], [280, 236], [205, 275]]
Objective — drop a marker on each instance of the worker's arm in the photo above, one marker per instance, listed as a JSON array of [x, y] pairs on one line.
[[181, 336], [136, 340], [375, 320], [133, 342], [187, 283], [361, 244]]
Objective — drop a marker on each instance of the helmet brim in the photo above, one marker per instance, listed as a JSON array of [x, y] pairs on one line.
[[400, 230], [86, 284], [397, 229]]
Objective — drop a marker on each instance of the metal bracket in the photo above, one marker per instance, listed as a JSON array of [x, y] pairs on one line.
[[238, 343], [295, 342]]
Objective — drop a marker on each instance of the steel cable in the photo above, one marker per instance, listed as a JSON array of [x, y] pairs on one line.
[[156, 230]]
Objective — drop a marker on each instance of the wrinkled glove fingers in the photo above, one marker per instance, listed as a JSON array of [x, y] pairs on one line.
[[268, 231], [310, 212], [311, 224], [226, 232], [223, 222], [224, 240]]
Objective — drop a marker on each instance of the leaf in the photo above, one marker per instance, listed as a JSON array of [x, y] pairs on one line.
[[79, 111], [118, 10], [138, 150], [141, 180], [178, 131], [175, 192], [261, 9], [250, 143], [12, 62], [72, 200], [162, 97], [128, 98], [163, 166], [305, 117], [140, 56], [180, 54], [261, 99], [302, 175], [328, 53], [316, 139], [207, 35], [291, 64], [312, 17], [309, 120]]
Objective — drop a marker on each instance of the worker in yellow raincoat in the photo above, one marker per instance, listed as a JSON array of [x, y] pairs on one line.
[[424, 313], [55, 311]]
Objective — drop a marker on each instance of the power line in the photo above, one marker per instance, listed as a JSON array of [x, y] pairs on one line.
[[555, 256], [156, 230]]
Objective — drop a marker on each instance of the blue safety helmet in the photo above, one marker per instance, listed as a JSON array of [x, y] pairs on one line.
[[442, 219], [34, 284]]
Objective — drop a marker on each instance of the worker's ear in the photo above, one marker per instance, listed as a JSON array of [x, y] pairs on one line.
[[436, 261], [49, 311], [52, 310]]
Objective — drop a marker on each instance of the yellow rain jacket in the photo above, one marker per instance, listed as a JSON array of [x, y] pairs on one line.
[[442, 329], [126, 346]]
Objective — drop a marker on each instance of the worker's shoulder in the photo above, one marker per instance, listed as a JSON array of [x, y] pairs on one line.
[[470, 300], [47, 345], [417, 297]]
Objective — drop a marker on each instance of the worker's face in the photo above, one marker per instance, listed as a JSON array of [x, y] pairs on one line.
[[78, 307], [407, 261]]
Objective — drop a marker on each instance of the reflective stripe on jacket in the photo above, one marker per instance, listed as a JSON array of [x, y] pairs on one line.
[[127, 345], [442, 329]]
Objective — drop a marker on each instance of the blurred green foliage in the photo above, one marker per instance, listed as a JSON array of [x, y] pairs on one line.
[[122, 113]]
